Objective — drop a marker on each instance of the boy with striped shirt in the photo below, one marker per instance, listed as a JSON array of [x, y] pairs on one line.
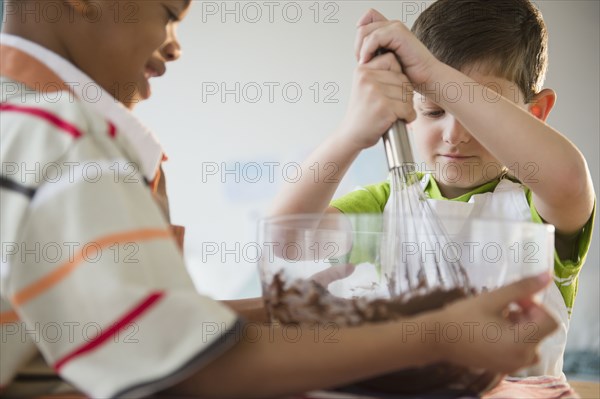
[[116, 266]]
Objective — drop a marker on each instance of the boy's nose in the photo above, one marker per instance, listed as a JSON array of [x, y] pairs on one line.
[[455, 133], [171, 51]]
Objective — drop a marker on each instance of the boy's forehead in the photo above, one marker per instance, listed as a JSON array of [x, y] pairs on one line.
[[502, 86], [481, 73], [486, 75]]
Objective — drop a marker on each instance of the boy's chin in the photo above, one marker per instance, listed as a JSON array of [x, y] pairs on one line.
[[461, 183], [136, 94], [133, 100], [144, 90]]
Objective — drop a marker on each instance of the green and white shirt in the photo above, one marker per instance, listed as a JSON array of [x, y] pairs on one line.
[[373, 199]]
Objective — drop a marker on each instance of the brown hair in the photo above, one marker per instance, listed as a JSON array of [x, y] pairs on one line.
[[507, 37]]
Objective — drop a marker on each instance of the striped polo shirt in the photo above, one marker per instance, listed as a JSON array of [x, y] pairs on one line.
[[91, 275]]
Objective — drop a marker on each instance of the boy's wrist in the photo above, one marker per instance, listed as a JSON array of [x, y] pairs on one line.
[[343, 139], [438, 77], [436, 347]]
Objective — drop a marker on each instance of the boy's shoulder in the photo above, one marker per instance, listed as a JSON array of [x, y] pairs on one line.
[[38, 128], [63, 117], [58, 108]]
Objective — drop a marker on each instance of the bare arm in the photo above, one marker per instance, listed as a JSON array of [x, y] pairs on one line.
[[562, 187], [251, 309], [380, 96], [281, 362], [321, 176], [276, 366]]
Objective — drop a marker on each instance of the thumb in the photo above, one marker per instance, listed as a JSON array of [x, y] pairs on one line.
[[369, 17], [543, 323], [519, 291], [332, 274]]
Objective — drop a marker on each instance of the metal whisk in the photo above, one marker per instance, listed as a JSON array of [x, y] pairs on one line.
[[418, 255]]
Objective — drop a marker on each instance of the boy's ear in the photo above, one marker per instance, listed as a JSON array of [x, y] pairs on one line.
[[542, 103]]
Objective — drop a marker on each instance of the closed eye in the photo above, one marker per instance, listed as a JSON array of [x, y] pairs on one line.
[[171, 15], [434, 114]]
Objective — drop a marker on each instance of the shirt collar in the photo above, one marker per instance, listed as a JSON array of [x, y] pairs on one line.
[[148, 150], [432, 190]]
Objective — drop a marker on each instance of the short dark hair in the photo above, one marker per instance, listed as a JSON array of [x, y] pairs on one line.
[[507, 37]]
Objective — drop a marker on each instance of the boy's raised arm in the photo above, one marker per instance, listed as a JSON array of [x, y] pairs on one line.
[[379, 98], [562, 187]]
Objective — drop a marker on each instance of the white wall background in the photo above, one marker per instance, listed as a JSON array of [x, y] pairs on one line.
[[206, 133]]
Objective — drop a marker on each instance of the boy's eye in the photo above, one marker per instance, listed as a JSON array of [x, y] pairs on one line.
[[434, 113], [171, 15]]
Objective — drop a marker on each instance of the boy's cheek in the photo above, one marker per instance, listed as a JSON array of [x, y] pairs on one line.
[[426, 153]]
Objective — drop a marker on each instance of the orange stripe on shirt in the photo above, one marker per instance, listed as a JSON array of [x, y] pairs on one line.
[[56, 276], [9, 317], [20, 66], [154, 183]]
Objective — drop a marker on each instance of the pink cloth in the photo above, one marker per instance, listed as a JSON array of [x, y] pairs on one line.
[[543, 387]]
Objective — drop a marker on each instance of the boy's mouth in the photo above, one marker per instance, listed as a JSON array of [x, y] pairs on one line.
[[154, 69], [456, 156]]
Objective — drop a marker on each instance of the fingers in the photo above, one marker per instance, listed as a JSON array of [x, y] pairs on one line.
[[332, 274], [403, 105], [369, 17], [521, 330], [541, 321], [526, 303], [377, 35], [402, 111], [386, 96], [389, 94], [386, 70], [385, 62], [534, 324], [522, 290], [364, 31], [531, 328]]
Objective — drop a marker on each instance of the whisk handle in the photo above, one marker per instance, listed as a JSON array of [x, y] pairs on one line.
[[397, 145], [395, 140]]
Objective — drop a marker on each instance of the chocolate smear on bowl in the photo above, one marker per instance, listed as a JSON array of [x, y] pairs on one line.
[[307, 302]]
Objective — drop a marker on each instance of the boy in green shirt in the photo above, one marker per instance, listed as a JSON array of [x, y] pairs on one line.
[[477, 117]]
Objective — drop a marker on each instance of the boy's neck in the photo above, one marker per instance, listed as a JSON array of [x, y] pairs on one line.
[[452, 191], [44, 37], [50, 40]]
